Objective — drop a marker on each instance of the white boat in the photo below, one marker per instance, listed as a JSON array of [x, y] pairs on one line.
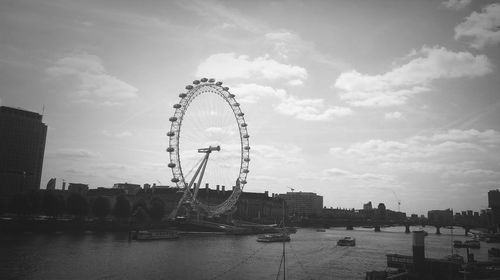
[[273, 237], [156, 235], [347, 241], [472, 244]]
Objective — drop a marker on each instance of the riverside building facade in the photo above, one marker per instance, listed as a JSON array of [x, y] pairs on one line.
[[303, 204], [22, 147]]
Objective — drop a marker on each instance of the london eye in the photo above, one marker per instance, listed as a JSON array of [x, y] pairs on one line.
[[208, 142]]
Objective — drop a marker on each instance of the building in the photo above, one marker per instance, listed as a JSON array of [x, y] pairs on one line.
[[494, 204], [128, 188], [367, 206], [303, 203], [51, 185], [78, 188], [440, 217], [22, 147]]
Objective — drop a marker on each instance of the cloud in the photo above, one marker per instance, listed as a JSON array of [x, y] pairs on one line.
[[402, 82], [73, 153], [337, 172], [310, 109], [456, 4], [303, 109], [482, 28], [95, 85], [230, 66], [453, 150], [393, 116], [119, 135], [220, 131], [283, 42], [251, 93], [284, 153]]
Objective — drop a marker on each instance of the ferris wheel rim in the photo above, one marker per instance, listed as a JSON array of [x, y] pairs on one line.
[[200, 87]]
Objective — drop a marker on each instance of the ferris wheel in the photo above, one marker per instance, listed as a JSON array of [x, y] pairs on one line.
[[212, 143]]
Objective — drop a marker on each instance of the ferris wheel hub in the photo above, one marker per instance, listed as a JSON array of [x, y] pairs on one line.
[[209, 149]]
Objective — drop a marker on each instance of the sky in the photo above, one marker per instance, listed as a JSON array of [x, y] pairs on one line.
[[357, 101]]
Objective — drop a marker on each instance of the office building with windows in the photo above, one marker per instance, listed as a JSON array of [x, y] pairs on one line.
[[22, 147]]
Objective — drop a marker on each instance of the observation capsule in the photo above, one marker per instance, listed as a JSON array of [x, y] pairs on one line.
[[246, 148], [189, 87], [204, 80], [171, 165], [170, 133], [174, 180], [196, 82], [218, 83], [182, 95], [177, 106], [211, 80], [246, 170], [246, 136], [236, 104], [225, 88], [243, 182], [247, 159], [241, 114], [172, 119], [231, 95], [244, 125], [170, 149]]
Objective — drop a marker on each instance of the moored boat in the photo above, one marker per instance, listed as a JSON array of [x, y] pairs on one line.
[[156, 235], [347, 241], [472, 244], [273, 237]]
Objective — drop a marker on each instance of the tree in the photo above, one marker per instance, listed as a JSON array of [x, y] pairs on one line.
[[157, 209], [77, 205], [101, 207], [121, 210], [52, 204], [140, 203], [140, 215], [19, 204]]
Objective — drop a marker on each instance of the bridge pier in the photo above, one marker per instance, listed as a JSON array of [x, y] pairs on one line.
[[377, 228], [349, 227], [407, 228], [438, 231]]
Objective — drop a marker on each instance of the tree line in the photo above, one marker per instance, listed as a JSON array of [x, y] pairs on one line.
[[79, 207]]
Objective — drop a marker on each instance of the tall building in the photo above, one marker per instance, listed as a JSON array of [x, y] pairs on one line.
[[303, 203], [22, 146]]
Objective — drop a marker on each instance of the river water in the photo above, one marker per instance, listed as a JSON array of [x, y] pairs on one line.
[[310, 255]]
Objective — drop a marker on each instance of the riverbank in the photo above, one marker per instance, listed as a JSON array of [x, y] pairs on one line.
[[42, 225]]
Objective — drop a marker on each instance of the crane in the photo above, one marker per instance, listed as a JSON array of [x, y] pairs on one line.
[[291, 189]]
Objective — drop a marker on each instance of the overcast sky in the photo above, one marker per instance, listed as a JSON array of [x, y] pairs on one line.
[[355, 100]]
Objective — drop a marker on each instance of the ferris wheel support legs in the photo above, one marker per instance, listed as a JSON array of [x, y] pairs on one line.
[[187, 196]]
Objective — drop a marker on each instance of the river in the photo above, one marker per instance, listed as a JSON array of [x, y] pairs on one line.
[[310, 255]]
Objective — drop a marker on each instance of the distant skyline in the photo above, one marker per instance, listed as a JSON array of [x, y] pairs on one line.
[[356, 101]]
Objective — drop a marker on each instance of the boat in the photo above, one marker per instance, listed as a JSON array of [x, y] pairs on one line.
[[455, 258], [475, 244], [347, 241], [458, 244], [494, 254], [156, 235], [320, 230], [274, 237], [290, 230]]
